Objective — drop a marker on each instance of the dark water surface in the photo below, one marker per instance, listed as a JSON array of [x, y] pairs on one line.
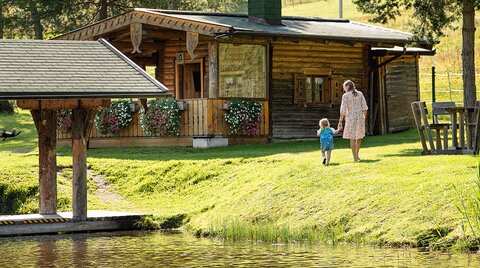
[[157, 249]]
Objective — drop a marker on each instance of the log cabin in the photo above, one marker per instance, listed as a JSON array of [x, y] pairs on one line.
[[294, 66]]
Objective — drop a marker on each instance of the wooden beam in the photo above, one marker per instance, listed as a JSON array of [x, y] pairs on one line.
[[121, 45], [164, 34], [45, 121], [81, 117], [144, 61], [62, 104], [213, 70], [120, 35]]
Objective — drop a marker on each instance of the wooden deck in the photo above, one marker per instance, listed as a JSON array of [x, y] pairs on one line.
[[97, 220], [200, 118]]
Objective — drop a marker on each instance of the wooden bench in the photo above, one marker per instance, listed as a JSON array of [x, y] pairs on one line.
[[468, 124], [425, 129]]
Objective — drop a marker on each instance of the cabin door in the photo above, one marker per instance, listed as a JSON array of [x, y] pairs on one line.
[[189, 80], [400, 90]]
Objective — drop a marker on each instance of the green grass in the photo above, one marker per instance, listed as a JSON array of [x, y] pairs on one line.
[[269, 192], [448, 57]]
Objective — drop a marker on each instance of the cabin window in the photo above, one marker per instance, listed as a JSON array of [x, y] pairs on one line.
[[242, 71], [311, 89]]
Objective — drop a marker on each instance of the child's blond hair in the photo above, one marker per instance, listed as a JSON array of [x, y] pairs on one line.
[[324, 123]]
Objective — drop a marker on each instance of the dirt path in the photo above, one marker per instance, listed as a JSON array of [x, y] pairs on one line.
[[106, 196], [103, 193]]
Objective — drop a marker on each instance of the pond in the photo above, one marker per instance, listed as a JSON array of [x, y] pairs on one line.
[[158, 249]]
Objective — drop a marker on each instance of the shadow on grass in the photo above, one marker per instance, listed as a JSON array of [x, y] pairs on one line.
[[405, 153], [27, 142], [367, 161], [245, 151], [189, 153]]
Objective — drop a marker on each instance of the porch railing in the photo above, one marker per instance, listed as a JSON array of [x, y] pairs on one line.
[[201, 117]]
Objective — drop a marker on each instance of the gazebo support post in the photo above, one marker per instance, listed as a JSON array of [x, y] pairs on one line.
[[82, 120], [45, 121]]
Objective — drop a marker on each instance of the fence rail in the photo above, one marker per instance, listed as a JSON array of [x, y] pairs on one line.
[[448, 86]]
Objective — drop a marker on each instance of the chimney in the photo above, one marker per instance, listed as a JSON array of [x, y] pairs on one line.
[[265, 11]]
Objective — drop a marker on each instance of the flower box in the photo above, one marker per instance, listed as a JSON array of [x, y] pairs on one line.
[[181, 105], [226, 105]]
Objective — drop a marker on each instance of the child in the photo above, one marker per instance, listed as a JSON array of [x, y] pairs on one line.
[[326, 139]]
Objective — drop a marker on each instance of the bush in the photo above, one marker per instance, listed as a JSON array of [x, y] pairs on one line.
[[110, 120], [6, 107], [162, 118], [244, 116]]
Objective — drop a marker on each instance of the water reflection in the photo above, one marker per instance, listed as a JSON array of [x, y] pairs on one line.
[[47, 254], [79, 251], [156, 249]]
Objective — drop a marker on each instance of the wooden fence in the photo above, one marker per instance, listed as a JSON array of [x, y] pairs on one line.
[[201, 117]]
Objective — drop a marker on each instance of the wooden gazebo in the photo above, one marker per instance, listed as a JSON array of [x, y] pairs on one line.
[[45, 76]]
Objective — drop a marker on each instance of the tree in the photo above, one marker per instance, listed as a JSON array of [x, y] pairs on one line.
[[27, 18], [433, 17]]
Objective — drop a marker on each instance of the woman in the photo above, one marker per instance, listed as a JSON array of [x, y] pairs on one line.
[[354, 110]]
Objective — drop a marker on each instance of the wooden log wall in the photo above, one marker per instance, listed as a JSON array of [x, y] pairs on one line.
[[171, 48], [340, 60], [401, 89]]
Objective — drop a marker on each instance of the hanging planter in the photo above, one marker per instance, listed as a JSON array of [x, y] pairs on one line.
[[161, 118], [110, 120], [181, 105], [226, 105], [244, 116]]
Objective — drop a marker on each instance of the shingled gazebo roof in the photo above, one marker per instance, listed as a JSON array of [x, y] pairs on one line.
[[55, 69]]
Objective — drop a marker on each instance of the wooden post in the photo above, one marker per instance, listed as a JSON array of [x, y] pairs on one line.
[[445, 137], [438, 140], [45, 121], [454, 130], [213, 70], [461, 131], [79, 153], [468, 131]]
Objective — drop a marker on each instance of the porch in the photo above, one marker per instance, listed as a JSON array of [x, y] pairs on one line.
[[199, 118]]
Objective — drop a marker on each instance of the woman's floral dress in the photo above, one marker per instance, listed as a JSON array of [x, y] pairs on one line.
[[352, 107]]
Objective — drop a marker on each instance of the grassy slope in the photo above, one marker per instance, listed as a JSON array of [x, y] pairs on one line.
[[394, 196], [447, 59]]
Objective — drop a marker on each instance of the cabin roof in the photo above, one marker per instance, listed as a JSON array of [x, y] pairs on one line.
[[53, 69], [220, 24], [301, 27]]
